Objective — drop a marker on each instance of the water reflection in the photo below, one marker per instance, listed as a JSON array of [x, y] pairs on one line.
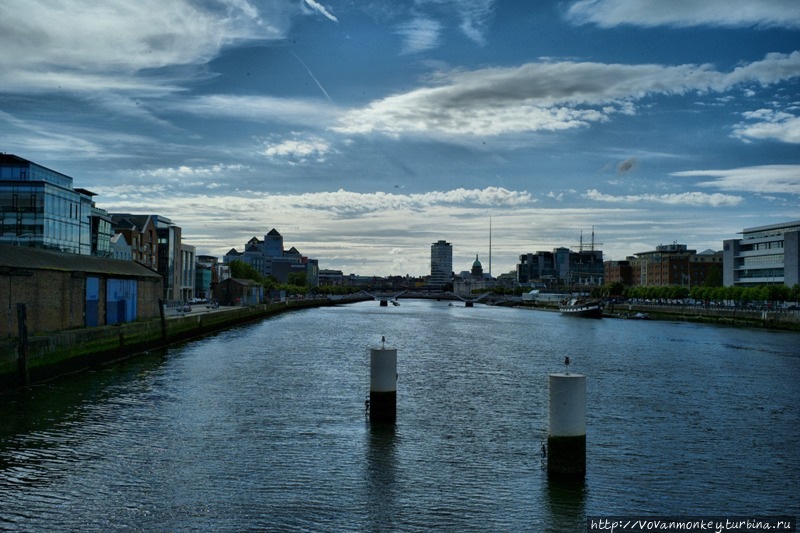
[[253, 429], [566, 502], [381, 476]]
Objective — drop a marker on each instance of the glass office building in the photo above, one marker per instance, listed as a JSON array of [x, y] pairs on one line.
[[40, 208]]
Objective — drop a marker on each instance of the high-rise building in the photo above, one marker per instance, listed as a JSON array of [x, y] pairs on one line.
[[441, 264], [765, 255]]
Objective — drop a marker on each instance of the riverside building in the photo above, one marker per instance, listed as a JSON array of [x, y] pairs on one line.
[[562, 266], [156, 243], [40, 208], [673, 264], [441, 264], [269, 258], [765, 255]]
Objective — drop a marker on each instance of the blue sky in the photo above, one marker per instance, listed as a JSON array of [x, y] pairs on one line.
[[364, 131]]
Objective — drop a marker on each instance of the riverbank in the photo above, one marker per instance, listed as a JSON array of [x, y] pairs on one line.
[[47, 356], [726, 316]]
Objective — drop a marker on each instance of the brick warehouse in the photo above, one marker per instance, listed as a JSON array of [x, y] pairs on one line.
[[64, 291]]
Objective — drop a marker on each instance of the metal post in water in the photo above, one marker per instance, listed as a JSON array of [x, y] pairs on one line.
[[162, 312], [566, 436], [22, 349], [383, 384]]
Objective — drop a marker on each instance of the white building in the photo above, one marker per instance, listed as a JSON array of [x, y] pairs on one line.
[[765, 255]]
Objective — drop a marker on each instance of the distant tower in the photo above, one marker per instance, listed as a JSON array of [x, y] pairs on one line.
[[441, 263], [490, 247]]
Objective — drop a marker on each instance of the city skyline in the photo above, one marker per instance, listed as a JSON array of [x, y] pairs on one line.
[[364, 133]]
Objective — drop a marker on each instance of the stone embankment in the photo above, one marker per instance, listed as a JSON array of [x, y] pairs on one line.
[[49, 355], [729, 316]]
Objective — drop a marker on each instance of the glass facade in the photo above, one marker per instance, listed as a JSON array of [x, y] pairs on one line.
[[40, 208]]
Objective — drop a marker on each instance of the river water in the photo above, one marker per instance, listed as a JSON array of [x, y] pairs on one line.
[[263, 427]]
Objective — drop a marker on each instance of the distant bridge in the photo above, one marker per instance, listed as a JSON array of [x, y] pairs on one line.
[[385, 298]]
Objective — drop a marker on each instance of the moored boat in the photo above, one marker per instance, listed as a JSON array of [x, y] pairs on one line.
[[581, 307]]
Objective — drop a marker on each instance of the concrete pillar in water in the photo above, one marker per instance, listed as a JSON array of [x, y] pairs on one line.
[[383, 385], [566, 435]]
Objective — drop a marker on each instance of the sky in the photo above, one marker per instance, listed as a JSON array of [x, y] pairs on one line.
[[366, 130]]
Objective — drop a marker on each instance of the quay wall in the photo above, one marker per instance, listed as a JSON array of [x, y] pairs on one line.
[[54, 354], [728, 316], [770, 319]]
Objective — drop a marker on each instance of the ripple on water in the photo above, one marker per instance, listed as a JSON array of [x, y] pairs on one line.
[[263, 427]]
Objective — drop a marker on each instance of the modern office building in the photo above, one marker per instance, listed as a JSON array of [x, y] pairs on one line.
[[40, 208], [765, 255], [561, 267], [206, 276], [269, 258], [441, 264]]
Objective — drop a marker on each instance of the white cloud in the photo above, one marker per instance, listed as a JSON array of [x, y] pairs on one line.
[[682, 13], [419, 35], [763, 179], [298, 150], [316, 6], [89, 46], [79, 141], [382, 234], [696, 199], [547, 96], [475, 16], [185, 171], [259, 108], [125, 36], [769, 124], [352, 203]]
